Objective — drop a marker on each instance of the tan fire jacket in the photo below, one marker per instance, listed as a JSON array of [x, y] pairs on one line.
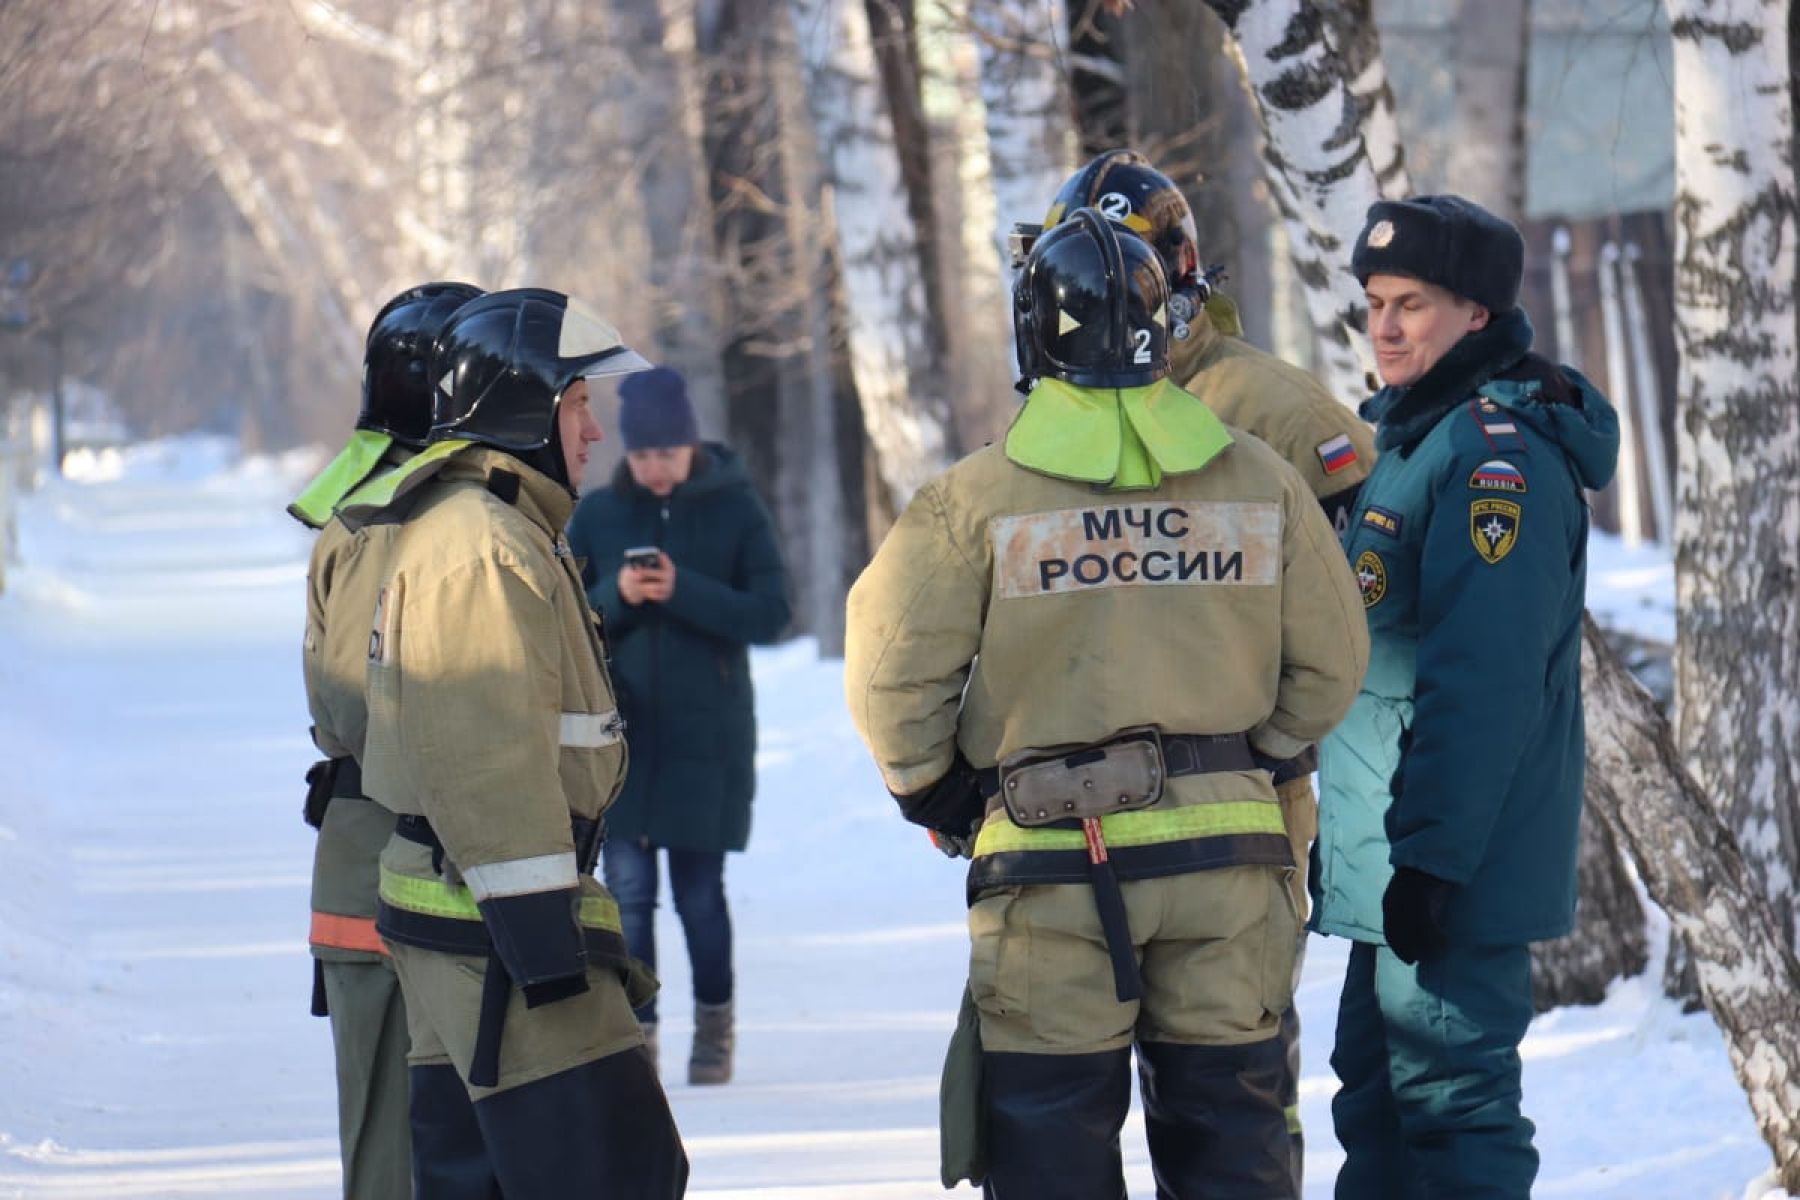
[[490, 710], [1331, 447], [1009, 610]]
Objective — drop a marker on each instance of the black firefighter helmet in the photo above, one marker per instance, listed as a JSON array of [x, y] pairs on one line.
[[1091, 306], [503, 362], [396, 381], [1126, 188]]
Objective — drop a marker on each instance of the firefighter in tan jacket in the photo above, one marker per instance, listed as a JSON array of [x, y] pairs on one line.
[[494, 734], [1326, 442], [1087, 648], [353, 981]]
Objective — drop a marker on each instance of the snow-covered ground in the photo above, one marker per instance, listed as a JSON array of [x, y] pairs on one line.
[[154, 1036]]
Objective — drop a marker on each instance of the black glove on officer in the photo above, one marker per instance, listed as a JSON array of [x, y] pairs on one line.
[[1414, 914], [950, 807]]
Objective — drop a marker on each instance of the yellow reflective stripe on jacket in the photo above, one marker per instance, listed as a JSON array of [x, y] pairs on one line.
[[435, 898], [1146, 828]]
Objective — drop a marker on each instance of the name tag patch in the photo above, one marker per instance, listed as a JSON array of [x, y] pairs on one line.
[[1494, 528], [1371, 578], [1382, 520], [1497, 475], [1157, 544]]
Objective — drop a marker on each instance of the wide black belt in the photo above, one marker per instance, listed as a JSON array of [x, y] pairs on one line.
[[589, 833], [1183, 754]]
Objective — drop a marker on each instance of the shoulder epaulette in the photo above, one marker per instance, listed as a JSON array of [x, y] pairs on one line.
[[1497, 429]]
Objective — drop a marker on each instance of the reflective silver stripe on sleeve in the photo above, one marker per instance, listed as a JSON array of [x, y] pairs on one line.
[[590, 731], [521, 876]]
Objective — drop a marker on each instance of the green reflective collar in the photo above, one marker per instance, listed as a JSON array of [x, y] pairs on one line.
[[1119, 437], [383, 490], [353, 464]]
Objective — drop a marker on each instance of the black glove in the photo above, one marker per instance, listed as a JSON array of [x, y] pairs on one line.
[[951, 806], [1414, 912]]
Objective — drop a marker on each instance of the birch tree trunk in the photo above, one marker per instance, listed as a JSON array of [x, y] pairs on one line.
[[1031, 134], [905, 411], [1690, 863], [1737, 528], [1487, 157], [1320, 160]]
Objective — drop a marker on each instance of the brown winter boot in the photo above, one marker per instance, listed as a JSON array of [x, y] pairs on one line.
[[714, 1041]]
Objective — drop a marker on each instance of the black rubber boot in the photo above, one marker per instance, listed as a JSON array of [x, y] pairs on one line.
[[1053, 1125], [602, 1129], [1215, 1121], [450, 1160]]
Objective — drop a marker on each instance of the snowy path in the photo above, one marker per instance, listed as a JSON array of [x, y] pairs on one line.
[[154, 1039]]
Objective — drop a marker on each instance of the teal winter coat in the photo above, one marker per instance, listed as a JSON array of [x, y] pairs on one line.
[[682, 669], [1463, 755]]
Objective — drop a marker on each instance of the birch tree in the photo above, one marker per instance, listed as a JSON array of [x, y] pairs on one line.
[[1025, 97], [1327, 159], [1737, 527], [905, 412]]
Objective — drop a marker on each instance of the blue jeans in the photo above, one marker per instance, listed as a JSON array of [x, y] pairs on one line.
[[697, 878]]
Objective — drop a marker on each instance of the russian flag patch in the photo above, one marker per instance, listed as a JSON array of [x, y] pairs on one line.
[[1497, 475], [1336, 454]]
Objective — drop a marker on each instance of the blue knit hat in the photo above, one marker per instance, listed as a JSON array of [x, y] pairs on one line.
[[654, 412]]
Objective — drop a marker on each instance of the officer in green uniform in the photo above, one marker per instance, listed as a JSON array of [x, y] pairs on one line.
[[353, 981], [1328, 444], [494, 735], [1022, 659], [1451, 795]]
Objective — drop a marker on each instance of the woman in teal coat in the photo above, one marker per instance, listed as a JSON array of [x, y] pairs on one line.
[[679, 619]]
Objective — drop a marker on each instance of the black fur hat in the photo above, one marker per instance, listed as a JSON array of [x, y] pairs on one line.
[[1446, 240]]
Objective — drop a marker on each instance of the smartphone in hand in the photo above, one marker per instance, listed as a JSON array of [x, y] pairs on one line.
[[643, 558]]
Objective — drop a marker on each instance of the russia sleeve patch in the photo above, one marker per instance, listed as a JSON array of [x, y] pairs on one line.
[[1497, 475], [1336, 454]]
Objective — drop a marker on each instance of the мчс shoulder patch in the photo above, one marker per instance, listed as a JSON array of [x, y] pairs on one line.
[[1494, 528], [1371, 578], [1497, 475], [1136, 545], [1336, 454]]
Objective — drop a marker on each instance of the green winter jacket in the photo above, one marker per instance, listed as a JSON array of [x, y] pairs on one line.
[[1463, 754], [683, 668]]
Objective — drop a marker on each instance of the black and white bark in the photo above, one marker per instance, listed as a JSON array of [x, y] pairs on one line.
[[906, 412], [1330, 152], [1737, 526], [1689, 861]]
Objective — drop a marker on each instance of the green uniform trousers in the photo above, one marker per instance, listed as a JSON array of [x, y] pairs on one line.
[[368, 1035], [1428, 1059]]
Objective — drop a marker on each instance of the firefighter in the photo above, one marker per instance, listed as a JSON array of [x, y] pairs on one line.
[[1079, 654], [494, 735], [353, 981], [1331, 447]]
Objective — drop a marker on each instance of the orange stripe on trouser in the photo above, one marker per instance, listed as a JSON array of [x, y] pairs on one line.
[[345, 933]]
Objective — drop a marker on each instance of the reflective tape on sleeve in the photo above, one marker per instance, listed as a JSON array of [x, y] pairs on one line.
[[590, 731], [521, 876]]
